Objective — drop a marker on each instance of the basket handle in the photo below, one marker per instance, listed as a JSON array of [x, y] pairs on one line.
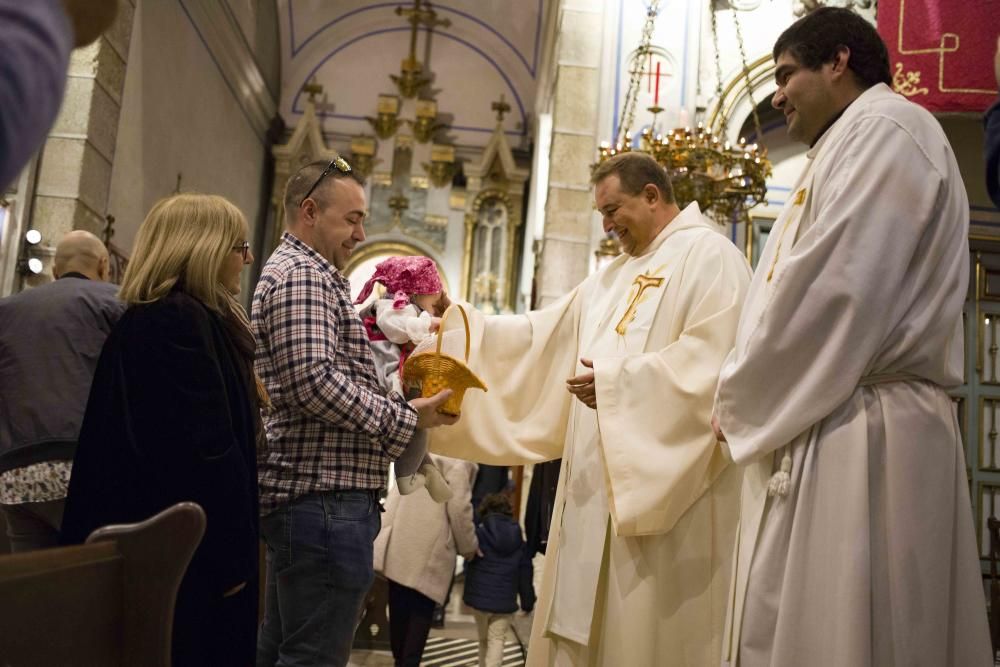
[[465, 318]]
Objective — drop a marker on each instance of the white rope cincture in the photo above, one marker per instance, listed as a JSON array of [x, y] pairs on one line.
[[781, 482]]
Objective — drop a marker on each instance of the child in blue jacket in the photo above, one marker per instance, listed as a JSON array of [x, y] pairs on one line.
[[495, 579]]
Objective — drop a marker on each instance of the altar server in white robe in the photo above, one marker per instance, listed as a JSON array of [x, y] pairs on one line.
[[856, 543], [618, 378]]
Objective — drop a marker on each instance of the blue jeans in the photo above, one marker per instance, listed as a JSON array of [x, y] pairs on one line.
[[319, 569]]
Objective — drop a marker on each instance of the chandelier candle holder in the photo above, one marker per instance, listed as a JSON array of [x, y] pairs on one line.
[[442, 166], [724, 179], [386, 122], [363, 155]]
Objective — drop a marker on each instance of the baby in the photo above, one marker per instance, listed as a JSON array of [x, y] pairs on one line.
[[408, 313]]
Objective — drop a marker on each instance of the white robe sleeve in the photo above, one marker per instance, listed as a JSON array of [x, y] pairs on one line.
[[524, 361], [405, 325], [654, 409], [840, 293]]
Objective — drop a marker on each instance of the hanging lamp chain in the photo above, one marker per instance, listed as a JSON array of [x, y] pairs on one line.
[[746, 75], [635, 76], [718, 63]]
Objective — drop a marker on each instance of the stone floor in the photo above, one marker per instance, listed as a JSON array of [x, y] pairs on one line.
[[459, 624]]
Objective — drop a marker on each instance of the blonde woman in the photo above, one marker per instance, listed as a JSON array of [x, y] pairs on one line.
[[173, 416]]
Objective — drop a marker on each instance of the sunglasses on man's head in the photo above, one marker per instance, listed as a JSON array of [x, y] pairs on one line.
[[338, 163]]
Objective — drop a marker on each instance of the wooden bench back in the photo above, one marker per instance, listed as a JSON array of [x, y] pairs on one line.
[[107, 602]]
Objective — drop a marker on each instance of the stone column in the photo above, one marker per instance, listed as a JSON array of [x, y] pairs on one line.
[[569, 205], [74, 166]]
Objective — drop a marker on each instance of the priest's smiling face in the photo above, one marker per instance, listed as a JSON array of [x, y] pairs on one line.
[[631, 217], [805, 96]]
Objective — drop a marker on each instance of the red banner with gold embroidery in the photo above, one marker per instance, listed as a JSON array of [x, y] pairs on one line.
[[941, 51]]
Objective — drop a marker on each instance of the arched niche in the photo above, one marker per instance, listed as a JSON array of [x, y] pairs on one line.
[[493, 227], [731, 108], [306, 145], [733, 111], [491, 238]]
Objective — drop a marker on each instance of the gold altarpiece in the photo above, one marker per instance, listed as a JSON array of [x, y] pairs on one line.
[[305, 145], [416, 204], [494, 226]]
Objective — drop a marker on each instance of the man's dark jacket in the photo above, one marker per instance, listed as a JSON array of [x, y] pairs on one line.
[[50, 339], [991, 150]]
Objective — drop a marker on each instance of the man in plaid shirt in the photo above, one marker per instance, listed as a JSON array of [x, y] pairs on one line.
[[331, 433]]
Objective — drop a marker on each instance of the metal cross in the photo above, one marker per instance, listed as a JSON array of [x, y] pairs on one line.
[[312, 89], [418, 16], [501, 107]]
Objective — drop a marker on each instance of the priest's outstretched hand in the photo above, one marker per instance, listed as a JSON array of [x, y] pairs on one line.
[[582, 386]]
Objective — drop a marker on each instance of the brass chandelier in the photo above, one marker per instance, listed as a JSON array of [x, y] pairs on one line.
[[726, 180]]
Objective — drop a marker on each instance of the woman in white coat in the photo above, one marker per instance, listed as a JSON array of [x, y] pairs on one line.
[[416, 552]]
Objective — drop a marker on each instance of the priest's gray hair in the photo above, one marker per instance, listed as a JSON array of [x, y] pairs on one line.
[[635, 171]]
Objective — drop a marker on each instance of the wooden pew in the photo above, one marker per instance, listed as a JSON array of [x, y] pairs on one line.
[[4, 540], [994, 596], [107, 602]]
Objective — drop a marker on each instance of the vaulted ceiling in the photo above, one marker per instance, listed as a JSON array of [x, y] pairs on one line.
[[351, 47]]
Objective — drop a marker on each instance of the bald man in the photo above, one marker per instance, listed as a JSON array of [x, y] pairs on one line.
[[50, 339]]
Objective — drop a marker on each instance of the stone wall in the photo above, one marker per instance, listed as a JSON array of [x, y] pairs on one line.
[[569, 208], [171, 96]]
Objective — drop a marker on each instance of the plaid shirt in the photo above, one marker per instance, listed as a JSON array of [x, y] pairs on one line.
[[330, 426]]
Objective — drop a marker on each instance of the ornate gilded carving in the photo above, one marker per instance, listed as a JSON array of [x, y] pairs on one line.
[[438, 221], [404, 142], [398, 203], [426, 123], [386, 121], [725, 179], [440, 173], [441, 169], [411, 77], [485, 292], [491, 226], [363, 155], [905, 83]]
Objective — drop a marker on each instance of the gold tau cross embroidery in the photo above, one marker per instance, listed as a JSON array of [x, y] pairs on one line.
[[641, 283], [800, 199]]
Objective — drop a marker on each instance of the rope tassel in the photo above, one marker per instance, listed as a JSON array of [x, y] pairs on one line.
[[781, 481]]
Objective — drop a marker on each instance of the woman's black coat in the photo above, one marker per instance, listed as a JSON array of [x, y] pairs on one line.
[[170, 419]]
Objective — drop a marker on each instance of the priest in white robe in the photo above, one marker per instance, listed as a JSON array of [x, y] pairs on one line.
[[640, 548], [856, 543]]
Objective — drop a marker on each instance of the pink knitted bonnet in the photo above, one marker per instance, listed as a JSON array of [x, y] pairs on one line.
[[404, 277]]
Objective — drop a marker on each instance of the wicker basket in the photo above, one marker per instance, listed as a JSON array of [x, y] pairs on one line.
[[436, 371]]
